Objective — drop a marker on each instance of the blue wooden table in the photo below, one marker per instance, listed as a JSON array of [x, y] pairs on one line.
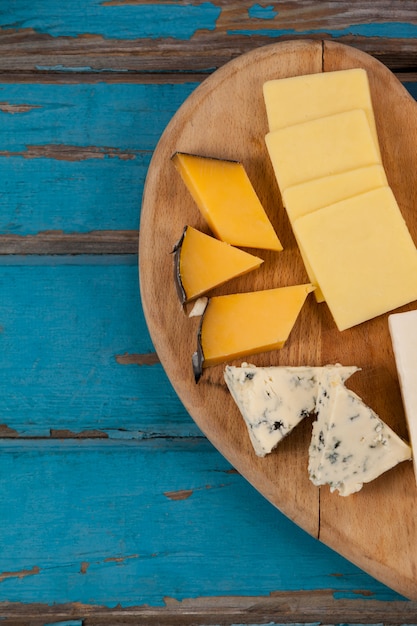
[[114, 508]]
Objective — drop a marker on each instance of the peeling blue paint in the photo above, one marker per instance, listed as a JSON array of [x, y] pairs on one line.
[[123, 116], [106, 534], [136, 21], [260, 12], [389, 30]]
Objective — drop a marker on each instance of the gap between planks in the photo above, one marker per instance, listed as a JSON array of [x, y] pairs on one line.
[[60, 243], [73, 76], [281, 607]]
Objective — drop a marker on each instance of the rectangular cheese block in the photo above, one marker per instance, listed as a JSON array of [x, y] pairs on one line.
[[321, 147], [298, 99], [362, 255], [350, 444], [403, 330], [273, 400], [315, 194]]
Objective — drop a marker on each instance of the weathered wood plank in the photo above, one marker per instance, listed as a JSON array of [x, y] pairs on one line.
[[125, 118], [295, 608], [76, 353], [163, 523], [74, 158], [58, 242], [165, 36]]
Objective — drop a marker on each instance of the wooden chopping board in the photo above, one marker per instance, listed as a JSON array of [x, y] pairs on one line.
[[225, 117]]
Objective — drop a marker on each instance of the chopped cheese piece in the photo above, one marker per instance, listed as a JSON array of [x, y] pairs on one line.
[[241, 324], [321, 192], [403, 329], [203, 262], [362, 255], [227, 200], [298, 99], [350, 444], [273, 400], [321, 147]]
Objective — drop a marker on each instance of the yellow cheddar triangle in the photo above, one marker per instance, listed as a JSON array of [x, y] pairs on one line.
[[203, 262], [227, 200], [242, 324]]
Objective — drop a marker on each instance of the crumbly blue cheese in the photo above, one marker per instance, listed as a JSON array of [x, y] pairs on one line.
[[273, 400], [350, 444]]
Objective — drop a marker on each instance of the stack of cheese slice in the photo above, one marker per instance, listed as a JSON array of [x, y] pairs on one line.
[[324, 150], [350, 444]]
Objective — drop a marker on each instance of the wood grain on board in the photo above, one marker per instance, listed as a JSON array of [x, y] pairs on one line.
[[225, 117]]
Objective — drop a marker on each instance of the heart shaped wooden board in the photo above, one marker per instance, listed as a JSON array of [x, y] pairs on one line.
[[225, 117]]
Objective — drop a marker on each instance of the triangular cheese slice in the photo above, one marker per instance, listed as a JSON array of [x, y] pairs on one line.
[[273, 400], [227, 200], [350, 444], [241, 324], [203, 262]]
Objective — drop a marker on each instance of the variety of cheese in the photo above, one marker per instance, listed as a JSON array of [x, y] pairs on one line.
[[227, 200], [403, 330], [321, 147], [273, 400], [350, 444], [203, 262], [362, 255], [299, 99], [359, 256], [241, 324]]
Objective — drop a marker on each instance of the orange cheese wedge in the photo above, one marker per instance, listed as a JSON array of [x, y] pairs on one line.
[[227, 200], [203, 262], [242, 324]]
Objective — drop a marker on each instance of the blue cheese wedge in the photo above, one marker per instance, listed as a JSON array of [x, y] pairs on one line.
[[273, 400], [350, 444]]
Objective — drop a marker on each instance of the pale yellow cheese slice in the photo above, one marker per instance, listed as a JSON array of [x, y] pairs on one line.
[[203, 262], [227, 200], [299, 99], [316, 194], [242, 324], [321, 147], [362, 255]]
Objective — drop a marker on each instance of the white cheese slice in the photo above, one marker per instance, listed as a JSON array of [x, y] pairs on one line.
[[273, 400], [403, 330], [350, 444]]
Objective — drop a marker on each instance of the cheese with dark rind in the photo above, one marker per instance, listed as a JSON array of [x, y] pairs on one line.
[[242, 324], [203, 262]]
